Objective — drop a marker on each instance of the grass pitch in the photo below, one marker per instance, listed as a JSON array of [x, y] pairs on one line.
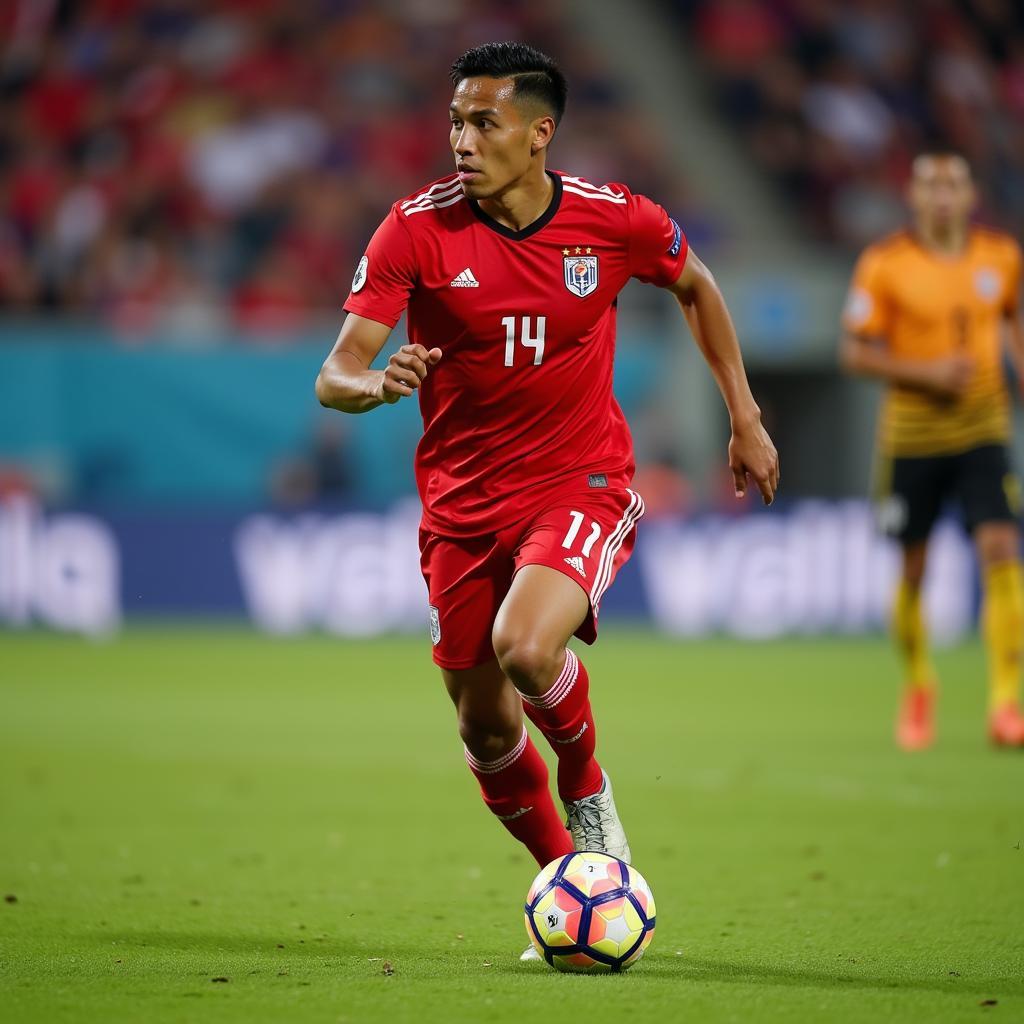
[[201, 824]]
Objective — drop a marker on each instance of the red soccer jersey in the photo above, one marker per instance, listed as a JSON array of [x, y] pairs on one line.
[[521, 402]]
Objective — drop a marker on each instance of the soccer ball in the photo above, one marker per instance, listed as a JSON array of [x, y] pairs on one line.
[[589, 913]]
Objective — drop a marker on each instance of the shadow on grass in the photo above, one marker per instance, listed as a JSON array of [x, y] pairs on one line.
[[469, 960], [693, 969], [289, 945], [287, 941]]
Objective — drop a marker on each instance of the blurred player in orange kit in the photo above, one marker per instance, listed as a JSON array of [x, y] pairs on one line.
[[929, 312]]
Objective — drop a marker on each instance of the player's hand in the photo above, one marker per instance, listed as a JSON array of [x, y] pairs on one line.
[[949, 377], [751, 453], [406, 370]]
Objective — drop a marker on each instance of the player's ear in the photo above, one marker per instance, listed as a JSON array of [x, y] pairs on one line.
[[543, 130]]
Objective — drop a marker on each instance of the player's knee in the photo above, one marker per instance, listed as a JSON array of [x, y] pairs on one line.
[[913, 565], [997, 545], [488, 733], [525, 661], [913, 577]]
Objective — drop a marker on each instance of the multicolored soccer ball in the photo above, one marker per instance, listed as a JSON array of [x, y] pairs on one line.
[[590, 913]]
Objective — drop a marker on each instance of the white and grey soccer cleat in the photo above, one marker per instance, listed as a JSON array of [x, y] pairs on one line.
[[593, 823], [530, 953]]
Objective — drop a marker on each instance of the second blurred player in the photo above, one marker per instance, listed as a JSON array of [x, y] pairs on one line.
[[927, 313]]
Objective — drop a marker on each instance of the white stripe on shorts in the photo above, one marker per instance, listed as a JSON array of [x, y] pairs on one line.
[[612, 544]]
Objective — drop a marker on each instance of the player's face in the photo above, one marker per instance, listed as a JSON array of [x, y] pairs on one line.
[[492, 138], [941, 192]]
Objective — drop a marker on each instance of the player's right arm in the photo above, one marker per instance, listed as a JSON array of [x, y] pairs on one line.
[[868, 356], [383, 282], [346, 381], [863, 350]]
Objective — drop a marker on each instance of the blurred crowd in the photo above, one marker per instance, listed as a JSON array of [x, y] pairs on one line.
[[196, 168], [190, 168], [834, 98]]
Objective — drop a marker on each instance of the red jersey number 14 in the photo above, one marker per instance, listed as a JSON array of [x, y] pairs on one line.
[[530, 336]]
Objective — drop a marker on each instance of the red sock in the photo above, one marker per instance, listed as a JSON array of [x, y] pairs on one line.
[[563, 714], [515, 788]]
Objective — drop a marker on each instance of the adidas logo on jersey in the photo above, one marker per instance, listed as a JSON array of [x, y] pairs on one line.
[[465, 280], [577, 563]]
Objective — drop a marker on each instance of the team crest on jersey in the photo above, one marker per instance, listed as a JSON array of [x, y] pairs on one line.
[[986, 283], [580, 274], [435, 626]]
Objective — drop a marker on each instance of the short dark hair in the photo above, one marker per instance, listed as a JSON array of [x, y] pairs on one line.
[[536, 75], [941, 153]]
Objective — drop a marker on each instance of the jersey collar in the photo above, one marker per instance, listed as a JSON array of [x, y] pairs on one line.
[[531, 229], [937, 254]]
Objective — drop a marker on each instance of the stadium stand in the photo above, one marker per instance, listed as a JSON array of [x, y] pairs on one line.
[[194, 169], [834, 99]]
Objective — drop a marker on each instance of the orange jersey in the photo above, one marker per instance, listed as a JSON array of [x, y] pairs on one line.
[[924, 305]]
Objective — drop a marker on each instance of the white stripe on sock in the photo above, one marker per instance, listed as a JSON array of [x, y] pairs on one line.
[[562, 686], [490, 767]]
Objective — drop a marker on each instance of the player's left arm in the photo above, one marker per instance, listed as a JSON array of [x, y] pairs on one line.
[[1014, 324], [751, 451], [1013, 321]]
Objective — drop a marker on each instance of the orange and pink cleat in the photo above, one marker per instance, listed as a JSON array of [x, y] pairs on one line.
[[1006, 726], [915, 726]]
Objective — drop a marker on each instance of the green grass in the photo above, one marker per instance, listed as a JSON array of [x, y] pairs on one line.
[[184, 805]]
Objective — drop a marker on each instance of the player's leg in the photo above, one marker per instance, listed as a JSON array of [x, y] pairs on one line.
[[542, 610], [512, 775], [909, 626], [915, 729], [908, 620], [567, 557], [998, 545], [911, 497], [466, 580], [989, 495]]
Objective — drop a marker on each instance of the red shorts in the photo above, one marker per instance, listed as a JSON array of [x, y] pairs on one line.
[[587, 535]]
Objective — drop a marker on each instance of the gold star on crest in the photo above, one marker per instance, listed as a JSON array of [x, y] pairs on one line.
[[578, 250], [588, 250], [565, 252]]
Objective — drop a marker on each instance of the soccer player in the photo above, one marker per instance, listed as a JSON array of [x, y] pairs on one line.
[[928, 312], [509, 274]]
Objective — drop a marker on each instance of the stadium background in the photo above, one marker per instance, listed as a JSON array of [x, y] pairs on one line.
[[185, 188]]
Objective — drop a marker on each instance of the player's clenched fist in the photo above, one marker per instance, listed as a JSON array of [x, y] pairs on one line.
[[406, 369]]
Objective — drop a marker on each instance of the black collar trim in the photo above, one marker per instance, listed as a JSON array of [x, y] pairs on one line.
[[531, 229]]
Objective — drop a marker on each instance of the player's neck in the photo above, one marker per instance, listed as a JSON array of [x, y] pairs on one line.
[[946, 240], [523, 202]]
